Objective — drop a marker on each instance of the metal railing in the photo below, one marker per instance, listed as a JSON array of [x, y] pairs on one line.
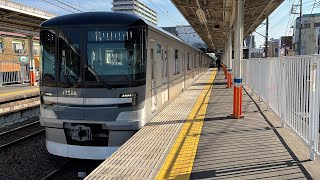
[[291, 87], [13, 72]]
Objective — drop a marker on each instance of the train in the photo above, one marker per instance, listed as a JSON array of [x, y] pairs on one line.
[[104, 75]]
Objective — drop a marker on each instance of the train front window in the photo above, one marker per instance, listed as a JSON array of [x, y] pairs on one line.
[[115, 56], [48, 58], [69, 57]]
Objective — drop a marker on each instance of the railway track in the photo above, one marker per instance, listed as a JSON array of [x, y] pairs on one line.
[[73, 169], [56, 171], [16, 135]]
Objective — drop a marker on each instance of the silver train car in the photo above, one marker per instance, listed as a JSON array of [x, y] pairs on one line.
[[104, 75]]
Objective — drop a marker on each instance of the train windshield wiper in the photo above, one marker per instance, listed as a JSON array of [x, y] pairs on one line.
[[98, 77]]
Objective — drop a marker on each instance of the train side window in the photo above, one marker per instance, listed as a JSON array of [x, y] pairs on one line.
[[166, 61], [176, 62], [152, 64], [188, 62], [195, 61]]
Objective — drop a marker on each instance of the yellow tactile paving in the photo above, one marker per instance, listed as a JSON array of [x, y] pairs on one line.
[[19, 92], [179, 162]]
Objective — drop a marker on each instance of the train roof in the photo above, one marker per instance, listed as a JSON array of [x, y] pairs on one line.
[[94, 18]]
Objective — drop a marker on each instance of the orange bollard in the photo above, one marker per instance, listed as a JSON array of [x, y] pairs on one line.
[[229, 79], [225, 72], [237, 100]]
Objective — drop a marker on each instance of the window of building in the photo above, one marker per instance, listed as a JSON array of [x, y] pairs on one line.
[[18, 47], [176, 62], [306, 25], [36, 48], [316, 24]]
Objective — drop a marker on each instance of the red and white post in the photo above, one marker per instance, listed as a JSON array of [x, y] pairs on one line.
[[238, 55], [32, 70]]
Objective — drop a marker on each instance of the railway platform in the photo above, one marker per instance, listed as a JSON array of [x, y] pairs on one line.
[[195, 138], [17, 91], [18, 103]]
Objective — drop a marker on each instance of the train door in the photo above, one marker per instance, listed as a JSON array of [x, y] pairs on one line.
[[165, 79], [153, 82]]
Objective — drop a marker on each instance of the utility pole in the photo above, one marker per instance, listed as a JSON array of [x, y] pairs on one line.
[[293, 11], [267, 31], [300, 28]]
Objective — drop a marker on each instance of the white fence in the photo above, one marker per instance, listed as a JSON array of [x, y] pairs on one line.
[[291, 87]]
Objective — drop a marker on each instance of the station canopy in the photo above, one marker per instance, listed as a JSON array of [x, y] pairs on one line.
[[212, 19], [19, 18]]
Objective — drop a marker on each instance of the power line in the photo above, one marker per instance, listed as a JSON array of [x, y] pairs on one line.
[[291, 24], [78, 5], [57, 6], [275, 31], [164, 13], [290, 18], [260, 34], [278, 11], [280, 20], [68, 5]]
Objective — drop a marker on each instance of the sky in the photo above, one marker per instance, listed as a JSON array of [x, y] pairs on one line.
[[168, 15], [280, 20]]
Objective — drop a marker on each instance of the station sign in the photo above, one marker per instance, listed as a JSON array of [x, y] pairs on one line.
[[23, 59]]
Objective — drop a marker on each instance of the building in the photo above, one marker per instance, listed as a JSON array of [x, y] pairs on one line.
[[285, 46], [135, 7], [309, 26], [273, 47], [249, 47], [13, 48], [187, 34]]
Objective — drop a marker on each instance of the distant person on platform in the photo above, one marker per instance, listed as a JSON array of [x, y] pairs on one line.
[[218, 62]]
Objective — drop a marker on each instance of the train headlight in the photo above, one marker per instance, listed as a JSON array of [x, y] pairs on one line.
[[133, 96]]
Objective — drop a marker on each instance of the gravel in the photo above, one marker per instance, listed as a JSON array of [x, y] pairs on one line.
[[28, 159]]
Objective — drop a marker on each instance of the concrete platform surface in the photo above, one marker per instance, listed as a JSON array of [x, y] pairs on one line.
[[255, 147]]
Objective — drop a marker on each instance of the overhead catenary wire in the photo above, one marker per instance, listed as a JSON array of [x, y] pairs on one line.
[[292, 21], [58, 6]]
